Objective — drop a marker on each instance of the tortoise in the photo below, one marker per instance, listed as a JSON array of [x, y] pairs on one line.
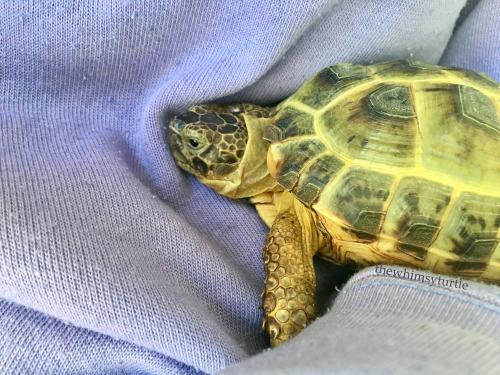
[[389, 163]]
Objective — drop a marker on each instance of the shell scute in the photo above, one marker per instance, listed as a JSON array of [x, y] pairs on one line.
[[293, 157], [476, 106], [330, 83], [401, 70], [457, 145], [415, 213], [291, 122], [374, 124], [357, 198], [390, 101], [315, 177], [470, 232], [473, 78]]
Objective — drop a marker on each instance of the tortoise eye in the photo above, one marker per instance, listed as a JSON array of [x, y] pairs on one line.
[[194, 143]]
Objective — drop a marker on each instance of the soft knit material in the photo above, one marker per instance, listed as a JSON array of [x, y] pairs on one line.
[[382, 324], [113, 260]]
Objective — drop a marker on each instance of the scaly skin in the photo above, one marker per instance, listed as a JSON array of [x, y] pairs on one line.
[[289, 296]]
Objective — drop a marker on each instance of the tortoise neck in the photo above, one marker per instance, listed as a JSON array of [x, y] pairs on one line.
[[252, 176]]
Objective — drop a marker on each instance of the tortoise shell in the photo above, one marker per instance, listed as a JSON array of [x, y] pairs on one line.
[[399, 161]]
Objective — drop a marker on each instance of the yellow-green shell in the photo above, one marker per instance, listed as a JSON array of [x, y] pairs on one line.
[[400, 161]]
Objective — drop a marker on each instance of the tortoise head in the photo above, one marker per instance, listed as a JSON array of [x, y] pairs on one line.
[[208, 141]]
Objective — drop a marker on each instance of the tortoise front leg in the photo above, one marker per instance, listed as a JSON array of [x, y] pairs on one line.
[[289, 296]]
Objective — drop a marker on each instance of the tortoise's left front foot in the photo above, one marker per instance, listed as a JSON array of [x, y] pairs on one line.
[[289, 296]]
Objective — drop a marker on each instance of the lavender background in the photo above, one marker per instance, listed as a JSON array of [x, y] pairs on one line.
[[112, 260]]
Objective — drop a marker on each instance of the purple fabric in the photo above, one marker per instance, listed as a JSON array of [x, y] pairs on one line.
[[112, 260], [394, 325]]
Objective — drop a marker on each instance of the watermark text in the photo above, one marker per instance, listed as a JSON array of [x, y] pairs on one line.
[[427, 279]]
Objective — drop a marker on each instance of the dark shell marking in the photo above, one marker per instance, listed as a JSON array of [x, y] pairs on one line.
[[471, 232], [288, 123], [415, 214], [358, 198], [477, 107], [332, 82]]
